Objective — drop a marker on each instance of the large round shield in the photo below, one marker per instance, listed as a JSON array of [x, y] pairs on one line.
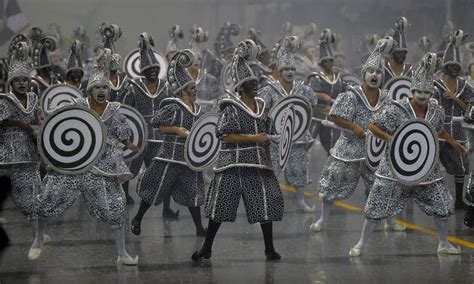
[[398, 88], [303, 114], [413, 151], [202, 145], [71, 139], [286, 136], [139, 131], [375, 149], [131, 64], [226, 79], [58, 95], [352, 79]]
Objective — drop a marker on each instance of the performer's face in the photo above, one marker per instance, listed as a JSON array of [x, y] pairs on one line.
[[151, 74], [288, 74], [189, 93], [250, 88], [373, 77], [100, 93], [453, 70], [20, 85], [75, 75], [327, 64], [399, 56], [310, 51], [421, 98]]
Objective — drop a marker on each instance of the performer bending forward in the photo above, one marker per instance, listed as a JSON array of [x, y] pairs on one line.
[[100, 186], [243, 167], [388, 196]]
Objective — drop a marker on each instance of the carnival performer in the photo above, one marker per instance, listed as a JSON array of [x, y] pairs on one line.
[[118, 79], [99, 186], [208, 87], [75, 71], [388, 196], [327, 84], [19, 159], [396, 66], [168, 174], [298, 169], [145, 95], [243, 168], [5, 62], [352, 111], [453, 94], [306, 60], [42, 63]]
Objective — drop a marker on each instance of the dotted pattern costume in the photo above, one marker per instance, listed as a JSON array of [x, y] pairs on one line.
[[387, 196], [243, 169], [169, 172]]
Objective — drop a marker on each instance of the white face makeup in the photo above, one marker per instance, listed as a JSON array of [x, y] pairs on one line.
[[100, 93], [373, 77], [20, 85], [421, 98], [288, 74]]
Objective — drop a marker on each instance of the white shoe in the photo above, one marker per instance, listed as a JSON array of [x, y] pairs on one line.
[[316, 227], [128, 260], [306, 209], [450, 250], [34, 253], [395, 228], [355, 252]]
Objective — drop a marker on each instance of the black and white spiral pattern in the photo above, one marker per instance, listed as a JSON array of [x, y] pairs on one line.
[[374, 151], [226, 78], [139, 131], [72, 139], [303, 114], [131, 64], [58, 95], [202, 145], [399, 88], [286, 136], [413, 151]]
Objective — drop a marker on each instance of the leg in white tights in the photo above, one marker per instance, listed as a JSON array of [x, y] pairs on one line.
[[322, 221], [367, 229], [300, 203]]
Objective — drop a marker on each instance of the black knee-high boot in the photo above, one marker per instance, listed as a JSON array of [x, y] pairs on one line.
[[459, 185], [137, 220], [196, 214], [270, 253], [206, 249], [167, 212]]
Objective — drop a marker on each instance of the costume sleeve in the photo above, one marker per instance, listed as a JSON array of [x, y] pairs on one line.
[[344, 106], [439, 123], [315, 83], [309, 94], [5, 110], [129, 96], [227, 123], [169, 115]]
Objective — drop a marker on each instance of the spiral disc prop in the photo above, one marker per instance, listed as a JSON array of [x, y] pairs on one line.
[[352, 79], [303, 114], [413, 151], [202, 146], [286, 136], [71, 139], [375, 149], [131, 64], [399, 88], [139, 131], [58, 95], [226, 79]]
